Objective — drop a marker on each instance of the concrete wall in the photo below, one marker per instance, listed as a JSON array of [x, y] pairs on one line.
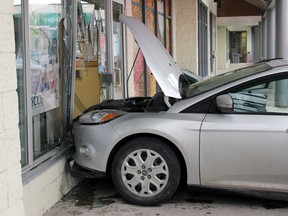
[[11, 190]]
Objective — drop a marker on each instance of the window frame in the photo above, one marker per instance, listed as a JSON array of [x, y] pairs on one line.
[[33, 166]]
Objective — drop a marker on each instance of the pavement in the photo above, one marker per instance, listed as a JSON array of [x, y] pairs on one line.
[[99, 197]]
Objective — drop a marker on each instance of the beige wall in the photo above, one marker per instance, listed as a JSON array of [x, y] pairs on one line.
[[222, 47], [11, 190], [185, 34]]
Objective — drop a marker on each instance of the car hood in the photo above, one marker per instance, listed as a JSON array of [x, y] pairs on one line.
[[162, 65]]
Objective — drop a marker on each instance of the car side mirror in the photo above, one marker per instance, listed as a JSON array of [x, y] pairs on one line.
[[225, 103]]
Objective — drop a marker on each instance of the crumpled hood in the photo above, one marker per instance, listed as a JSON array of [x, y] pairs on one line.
[[162, 65]]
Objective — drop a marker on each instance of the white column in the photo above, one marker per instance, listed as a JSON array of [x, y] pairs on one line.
[[281, 48], [271, 33], [281, 28]]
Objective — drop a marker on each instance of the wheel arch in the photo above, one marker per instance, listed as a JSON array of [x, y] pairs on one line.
[[139, 135]]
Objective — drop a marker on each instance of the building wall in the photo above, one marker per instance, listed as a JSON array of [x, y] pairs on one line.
[[185, 37], [222, 47], [11, 195], [43, 192], [185, 32]]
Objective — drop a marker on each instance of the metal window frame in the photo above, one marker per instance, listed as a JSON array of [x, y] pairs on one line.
[[32, 163]]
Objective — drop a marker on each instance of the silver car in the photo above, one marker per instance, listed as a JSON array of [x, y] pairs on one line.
[[228, 131]]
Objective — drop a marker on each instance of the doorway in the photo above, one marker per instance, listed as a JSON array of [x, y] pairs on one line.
[[238, 46]]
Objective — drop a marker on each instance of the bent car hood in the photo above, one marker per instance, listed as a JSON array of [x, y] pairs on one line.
[[162, 65]]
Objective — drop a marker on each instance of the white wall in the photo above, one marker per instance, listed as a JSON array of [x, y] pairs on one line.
[[11, 190], [43, 192]]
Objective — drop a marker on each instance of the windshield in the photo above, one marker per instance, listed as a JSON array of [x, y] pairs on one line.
[[219, 80]]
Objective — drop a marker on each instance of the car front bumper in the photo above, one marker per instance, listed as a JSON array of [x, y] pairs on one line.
[[93, 145]]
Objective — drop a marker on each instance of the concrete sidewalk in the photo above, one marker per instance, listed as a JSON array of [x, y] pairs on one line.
[[98, 197]]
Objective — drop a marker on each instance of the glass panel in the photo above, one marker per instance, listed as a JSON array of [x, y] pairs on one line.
[[150, 3], [168, 7], [90, 55], [151, 82], [20, 80], [137, 12], [45, 75], [167, 36], [138, 70], [118, 52], [161, 22], [266, 97]]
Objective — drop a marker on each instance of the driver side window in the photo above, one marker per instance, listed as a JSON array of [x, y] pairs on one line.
[[268, 97]]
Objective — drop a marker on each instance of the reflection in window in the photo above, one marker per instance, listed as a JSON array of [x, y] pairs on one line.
[[267, 97], [45, 77]]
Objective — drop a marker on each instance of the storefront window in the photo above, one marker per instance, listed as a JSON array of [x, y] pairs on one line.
[[43, 62], [118, 52], [45, 77], [144, 81], [138, 71], [150, 23], [91, 55]]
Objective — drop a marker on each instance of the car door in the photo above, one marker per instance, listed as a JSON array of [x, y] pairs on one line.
[[248, 147]]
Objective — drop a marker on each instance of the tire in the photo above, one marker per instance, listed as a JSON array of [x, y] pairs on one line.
[[146, 171]]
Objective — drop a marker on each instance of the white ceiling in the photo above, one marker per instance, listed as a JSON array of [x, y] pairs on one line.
[[238, 21]]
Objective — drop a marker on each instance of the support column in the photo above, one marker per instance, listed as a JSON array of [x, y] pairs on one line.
[[262, 34], [271, 33], [281, 7], [281, 90]]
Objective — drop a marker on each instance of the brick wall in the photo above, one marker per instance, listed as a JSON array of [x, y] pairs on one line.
[[11, 195]]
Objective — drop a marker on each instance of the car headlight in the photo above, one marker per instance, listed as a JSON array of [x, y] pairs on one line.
[[100, 116]]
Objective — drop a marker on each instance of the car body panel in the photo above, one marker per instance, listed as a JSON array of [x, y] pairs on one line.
[[162, 65], [245, 151], [182, 130]]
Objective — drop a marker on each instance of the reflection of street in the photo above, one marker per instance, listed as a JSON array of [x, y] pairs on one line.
[[98, 197]]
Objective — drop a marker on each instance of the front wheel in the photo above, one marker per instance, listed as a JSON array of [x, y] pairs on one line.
[[146, 171]]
